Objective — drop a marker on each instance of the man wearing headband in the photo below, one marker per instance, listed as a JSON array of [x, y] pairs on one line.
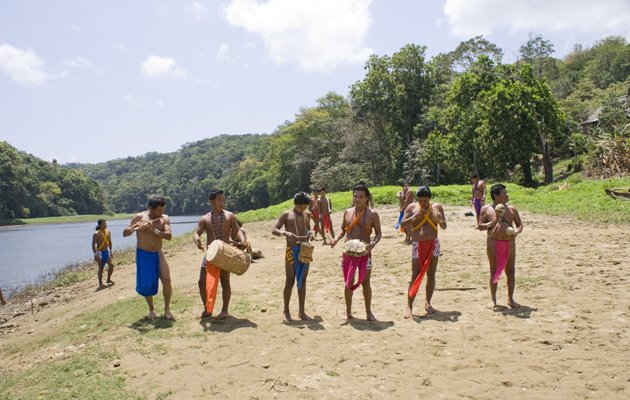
[[422, 219]]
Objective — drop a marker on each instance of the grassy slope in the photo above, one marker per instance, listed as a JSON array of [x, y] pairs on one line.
[[579, 198]]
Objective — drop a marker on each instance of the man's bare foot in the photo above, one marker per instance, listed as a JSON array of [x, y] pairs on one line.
[[223, 315], [429, 309], [370, 316], [408, 313], [150, 316], [168, 315], [513, 304], [205, 314], [304, 317], [348, 317], [110, 282], [324, 243], [286, 317], [101, 286], [492, 306]]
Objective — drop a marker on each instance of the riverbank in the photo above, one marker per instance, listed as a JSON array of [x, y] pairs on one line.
[[76, 342], [69, 219]]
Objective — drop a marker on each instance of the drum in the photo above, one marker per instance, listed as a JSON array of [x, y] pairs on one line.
[[306, 253], [355, 248], [228, 257]]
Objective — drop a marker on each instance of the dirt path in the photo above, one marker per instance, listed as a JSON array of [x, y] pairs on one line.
[[569, 340]]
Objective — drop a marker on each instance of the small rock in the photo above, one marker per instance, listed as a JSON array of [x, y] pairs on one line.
[[31, 331], [116, 364], [263, 309], [266, 366]]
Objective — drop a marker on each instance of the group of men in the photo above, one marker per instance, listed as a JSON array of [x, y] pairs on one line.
[[420, 220]]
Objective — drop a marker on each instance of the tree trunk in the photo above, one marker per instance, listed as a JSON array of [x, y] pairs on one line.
[[527, 173], [548, 167]]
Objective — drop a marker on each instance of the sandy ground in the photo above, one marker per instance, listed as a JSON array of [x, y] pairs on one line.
[[569, 340]]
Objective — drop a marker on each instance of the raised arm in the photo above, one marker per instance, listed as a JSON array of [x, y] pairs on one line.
[[166, 232], [133, 225]]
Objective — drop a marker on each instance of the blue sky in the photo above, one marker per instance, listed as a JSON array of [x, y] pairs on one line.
[[88, 81]]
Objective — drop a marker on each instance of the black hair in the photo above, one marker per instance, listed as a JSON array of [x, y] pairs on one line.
[[301, 198], [98, 223], [155, 202], [214, 193], [322, 188], [496, 189], [423, 191], [474, 176], [363, 188]]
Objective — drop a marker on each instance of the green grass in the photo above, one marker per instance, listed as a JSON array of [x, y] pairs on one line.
[[580, 198], [80, 376], [63, 219]]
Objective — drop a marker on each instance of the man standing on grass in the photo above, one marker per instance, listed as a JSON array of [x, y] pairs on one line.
[[500, 243], [151, 227]]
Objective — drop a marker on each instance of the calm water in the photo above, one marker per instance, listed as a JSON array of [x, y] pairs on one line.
[[28, 252]]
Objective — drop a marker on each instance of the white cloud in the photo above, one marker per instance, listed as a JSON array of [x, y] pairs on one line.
[[315, 35], [159, 103], [468, 18], [196, 9], [23, 66], [77, 62], [155, 67]]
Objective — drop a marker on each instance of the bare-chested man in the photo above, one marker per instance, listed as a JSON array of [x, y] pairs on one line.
[[151, 227], [422, 219], [406, 198], [102, 249], [501, 245], [325, 209], [358, 223], [478, 196], [218, 224], [294, 225], [313, 208]]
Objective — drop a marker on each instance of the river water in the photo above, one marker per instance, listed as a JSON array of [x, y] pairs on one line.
[[27, 253]]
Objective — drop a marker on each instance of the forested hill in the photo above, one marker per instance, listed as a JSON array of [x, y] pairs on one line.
[[424, 120], [31, 187], [183, 177]]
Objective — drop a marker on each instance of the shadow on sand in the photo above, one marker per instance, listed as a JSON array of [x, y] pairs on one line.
[[228, 324], [144, 325], [442, 316], [364, 325], [520, 312], [314, 324]]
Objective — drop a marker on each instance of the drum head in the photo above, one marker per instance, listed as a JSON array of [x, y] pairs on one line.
[[212, 251]]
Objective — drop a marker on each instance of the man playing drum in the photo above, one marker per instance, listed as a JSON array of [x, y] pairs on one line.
[[294, 225], [218, 224], [422, 219], [358, 223], [151, 227]]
